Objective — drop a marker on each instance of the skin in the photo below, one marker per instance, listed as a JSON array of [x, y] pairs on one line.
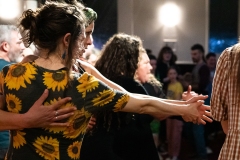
[[153, 63], [196, 56], [37, 116], [145, 105], [211, 62], [16, 46], [167, 56], [144, 68], [11, 50], [90, 69]]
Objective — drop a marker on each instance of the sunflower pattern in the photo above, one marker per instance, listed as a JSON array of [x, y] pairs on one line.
[[87, 84], [121, 103], [57, 129], [103, 98], [55, 80], [88, 94], [13, 103], [78, 124], [20, 74], [18, 138], [47, 147], [74, 150]]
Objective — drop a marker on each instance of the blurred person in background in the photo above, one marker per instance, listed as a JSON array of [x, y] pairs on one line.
[[200, 80], [174, 123], [11, 47], [166, 58]]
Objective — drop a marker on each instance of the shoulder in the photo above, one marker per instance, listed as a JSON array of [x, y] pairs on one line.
[[3, 63]]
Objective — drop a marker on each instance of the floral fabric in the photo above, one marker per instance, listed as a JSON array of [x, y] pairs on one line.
[[24, 83]]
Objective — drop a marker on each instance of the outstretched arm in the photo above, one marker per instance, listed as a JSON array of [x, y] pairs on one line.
[[37, 116], [93, 71], [193, 112]]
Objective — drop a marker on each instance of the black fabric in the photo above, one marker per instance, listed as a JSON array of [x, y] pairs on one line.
[[121, 136]]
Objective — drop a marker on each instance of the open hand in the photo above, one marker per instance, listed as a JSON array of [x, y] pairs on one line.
[[42, 116], [198, 113]]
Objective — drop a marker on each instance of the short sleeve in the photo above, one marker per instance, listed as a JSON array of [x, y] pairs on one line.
[[98, 96], [219, 102]]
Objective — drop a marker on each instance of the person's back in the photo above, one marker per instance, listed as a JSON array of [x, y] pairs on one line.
[[24, 83]]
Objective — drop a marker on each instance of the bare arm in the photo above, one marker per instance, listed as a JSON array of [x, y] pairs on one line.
[[93, 71], [192, 112], [37, 116]]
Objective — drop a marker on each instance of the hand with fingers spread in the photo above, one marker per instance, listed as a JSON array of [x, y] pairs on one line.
[[188, 94], [198, 112], [191, 97], [41, 116]]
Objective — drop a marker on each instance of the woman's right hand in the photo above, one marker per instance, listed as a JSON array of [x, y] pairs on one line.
[[42, 116], [197, 113]]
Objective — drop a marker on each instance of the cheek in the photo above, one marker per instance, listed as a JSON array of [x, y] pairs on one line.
[[143, 74]]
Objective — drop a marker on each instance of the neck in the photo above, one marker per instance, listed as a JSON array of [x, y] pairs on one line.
[[200, 61], [51, 62], [3, 55], [173, 81]]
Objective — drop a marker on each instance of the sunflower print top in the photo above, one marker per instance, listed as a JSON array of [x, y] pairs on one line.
[[24, 83]]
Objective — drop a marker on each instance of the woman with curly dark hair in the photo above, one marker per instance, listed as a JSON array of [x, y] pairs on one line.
[[127, 135], [124, 61]]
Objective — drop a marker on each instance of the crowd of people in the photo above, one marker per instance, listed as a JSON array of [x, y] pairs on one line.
[[123, 103]]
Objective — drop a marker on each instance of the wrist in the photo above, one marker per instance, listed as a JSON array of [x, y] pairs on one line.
[[24, 121]]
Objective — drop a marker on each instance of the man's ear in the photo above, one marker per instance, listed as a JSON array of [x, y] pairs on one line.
[[66, 39], [5, 46]]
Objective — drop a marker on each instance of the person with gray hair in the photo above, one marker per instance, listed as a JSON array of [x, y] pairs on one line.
[[11, 47]]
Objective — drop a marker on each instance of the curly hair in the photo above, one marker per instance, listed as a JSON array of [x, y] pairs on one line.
[[166, 49], [120, 56], [49, 23]]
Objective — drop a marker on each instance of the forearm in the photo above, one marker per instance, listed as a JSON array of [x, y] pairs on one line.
[[93, 71], [154, 106], [163, 100], [11, 121]]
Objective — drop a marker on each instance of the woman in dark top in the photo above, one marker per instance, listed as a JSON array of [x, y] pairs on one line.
[[125, 136]]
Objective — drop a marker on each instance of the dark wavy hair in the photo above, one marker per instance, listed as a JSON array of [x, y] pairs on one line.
[[163, 50], [49, 23], [120, 56]]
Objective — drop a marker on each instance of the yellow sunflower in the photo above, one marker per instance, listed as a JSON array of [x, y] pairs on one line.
[[103, 98], [55, 80], [47, 147], [88, 83], [13, 103], [18, 138], [121, 103], [57, 129], [18, 74], [1, 79], [74, 150], [78, 124]]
